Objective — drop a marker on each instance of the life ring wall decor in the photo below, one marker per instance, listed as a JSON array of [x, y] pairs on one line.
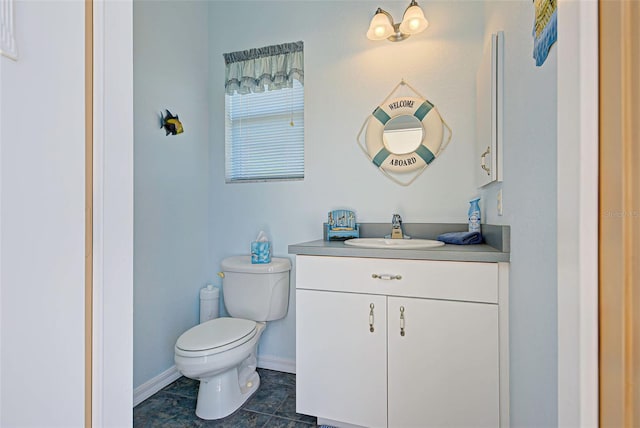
[[383, 154], [418, 136]]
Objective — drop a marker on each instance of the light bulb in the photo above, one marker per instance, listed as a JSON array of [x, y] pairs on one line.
[[379, 31]]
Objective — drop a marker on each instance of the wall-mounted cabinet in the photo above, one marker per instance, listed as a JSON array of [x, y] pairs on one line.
[[489, 112]]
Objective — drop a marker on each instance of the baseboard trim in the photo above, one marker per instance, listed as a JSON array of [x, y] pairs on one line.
[[154, 385], [275, 363]]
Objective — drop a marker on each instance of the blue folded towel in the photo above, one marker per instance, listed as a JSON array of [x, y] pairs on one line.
[[461, 238]]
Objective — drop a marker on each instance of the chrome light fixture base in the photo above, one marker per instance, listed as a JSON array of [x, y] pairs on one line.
[[399, 35]]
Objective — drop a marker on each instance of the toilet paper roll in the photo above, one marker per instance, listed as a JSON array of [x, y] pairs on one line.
[[209, 303]]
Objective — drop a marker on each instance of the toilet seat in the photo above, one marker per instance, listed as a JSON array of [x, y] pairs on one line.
[[215, 336]]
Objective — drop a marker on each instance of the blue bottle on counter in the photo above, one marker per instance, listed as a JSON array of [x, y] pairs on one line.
[[474, 215]]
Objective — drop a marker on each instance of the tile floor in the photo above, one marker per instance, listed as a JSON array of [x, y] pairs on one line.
[[273, 406]]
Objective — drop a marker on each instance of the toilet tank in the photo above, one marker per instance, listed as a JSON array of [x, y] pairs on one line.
[[259, 292]]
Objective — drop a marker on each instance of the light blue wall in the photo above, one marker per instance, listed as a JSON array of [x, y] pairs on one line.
[[171, 178], [346, 76], [529, 201], [188, 219]]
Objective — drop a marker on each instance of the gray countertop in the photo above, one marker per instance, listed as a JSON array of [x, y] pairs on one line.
[[495, 248]]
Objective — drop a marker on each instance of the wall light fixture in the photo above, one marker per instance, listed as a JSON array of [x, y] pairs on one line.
[[382, 26]]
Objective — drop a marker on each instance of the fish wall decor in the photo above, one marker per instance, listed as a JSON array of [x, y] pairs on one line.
[[171, 123]]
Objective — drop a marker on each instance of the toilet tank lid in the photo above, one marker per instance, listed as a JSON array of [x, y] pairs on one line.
[[243, 264]]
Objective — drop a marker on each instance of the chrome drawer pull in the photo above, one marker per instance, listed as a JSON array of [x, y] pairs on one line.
[[385, 276], [482, 161], [371, 318], [401, 320]]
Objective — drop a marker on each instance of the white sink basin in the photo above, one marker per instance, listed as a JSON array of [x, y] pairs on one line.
[[394, 244]]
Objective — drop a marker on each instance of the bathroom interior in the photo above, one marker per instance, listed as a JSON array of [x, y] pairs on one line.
[[188, 219]]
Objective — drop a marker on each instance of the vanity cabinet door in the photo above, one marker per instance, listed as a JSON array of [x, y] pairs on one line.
[[341, 356], [443, 363]]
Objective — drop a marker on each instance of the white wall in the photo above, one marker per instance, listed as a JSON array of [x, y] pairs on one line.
[[42, 218], [530, 208], [171, 188], [346, 77]]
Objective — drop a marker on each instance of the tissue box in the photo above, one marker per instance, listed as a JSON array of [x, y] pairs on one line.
[[260, 252]]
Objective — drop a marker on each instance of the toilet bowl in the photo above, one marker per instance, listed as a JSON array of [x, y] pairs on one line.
[[222, 353]]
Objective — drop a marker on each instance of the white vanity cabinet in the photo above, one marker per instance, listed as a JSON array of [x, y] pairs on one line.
[[401, 343]]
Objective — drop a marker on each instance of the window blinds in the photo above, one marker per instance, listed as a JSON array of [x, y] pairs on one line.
[[264, 135]]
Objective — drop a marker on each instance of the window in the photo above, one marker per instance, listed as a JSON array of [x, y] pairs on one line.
[[264, 135], [264, 114]]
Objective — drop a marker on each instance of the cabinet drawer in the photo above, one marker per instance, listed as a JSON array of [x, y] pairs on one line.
[[464, 281]]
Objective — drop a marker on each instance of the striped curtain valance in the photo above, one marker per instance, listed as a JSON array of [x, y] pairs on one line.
[[270, 67]]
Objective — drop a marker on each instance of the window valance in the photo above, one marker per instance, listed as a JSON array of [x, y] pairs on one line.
[[269, 67]]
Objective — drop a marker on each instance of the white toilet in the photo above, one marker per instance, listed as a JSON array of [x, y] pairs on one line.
[[221, 353]]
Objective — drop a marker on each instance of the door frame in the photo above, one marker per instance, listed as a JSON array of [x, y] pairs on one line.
[[112, 277], [577, 224]]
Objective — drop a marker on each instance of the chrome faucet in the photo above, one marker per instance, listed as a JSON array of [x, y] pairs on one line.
[[396, 227]]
